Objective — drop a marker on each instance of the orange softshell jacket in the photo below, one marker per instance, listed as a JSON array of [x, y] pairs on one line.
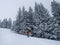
[[27, 32]]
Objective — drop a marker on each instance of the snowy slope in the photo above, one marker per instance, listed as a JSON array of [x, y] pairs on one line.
[[7, 37]]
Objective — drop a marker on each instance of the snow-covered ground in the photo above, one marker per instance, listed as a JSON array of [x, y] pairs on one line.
[[7, 37]]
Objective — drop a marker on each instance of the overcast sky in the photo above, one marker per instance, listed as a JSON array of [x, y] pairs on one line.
[[9, 8]]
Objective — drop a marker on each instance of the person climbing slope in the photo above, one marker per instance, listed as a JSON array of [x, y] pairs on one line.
[[27, 32]]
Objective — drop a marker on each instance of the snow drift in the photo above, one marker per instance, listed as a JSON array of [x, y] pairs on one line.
[[7, 37]]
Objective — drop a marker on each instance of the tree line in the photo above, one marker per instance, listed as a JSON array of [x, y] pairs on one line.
[[6, 23], [39, 21]]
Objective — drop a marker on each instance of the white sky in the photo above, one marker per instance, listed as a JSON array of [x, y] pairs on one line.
[[9, 8]]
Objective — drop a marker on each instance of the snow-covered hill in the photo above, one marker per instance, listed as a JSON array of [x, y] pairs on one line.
[[7, 37]]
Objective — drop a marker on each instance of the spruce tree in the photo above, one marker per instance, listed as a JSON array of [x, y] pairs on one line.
[[4, 23], [9, 24], [41, 16], [56, 13], [18, 19]]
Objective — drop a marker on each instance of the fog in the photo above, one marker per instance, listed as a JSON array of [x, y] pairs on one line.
[[9, 8]]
